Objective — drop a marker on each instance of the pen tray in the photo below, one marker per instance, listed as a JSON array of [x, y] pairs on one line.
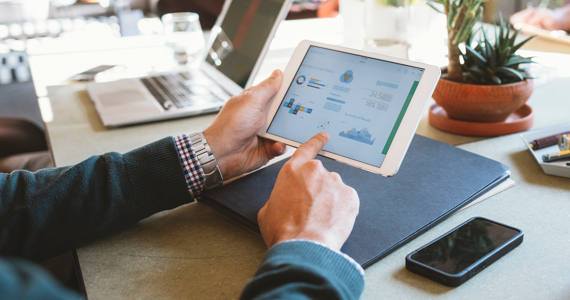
[[556, 168]]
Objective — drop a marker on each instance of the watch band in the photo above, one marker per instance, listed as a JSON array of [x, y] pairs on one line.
[[207, 161]]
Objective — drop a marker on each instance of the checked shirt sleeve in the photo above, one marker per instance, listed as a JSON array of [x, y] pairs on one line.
[[193, 172]]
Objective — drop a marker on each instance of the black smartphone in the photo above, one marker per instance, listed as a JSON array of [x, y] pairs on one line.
[[91, 73], [65, 268], [460, 254]]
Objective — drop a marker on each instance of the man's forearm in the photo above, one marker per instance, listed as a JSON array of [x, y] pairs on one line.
[[304, 270], [22, 280], [48, 212]]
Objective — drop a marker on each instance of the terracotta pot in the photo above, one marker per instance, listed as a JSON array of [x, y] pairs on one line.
[[481, 103]]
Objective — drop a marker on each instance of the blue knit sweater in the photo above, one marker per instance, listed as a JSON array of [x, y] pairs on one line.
[[51, 211]]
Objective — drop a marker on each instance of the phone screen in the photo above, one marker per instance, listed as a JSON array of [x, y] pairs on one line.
[[459, 249], [359, 101]]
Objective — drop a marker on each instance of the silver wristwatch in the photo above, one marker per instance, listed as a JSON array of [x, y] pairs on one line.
[[207, 161]]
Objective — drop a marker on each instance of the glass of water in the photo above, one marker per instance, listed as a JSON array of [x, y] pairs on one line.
[[387, 22], [183, 34]]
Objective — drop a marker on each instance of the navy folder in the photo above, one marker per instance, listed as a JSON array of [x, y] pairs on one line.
[[434, 181]]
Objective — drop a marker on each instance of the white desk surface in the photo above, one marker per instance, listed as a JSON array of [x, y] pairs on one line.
[[192, 252]]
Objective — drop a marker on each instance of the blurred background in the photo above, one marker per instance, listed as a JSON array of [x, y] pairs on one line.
[[34, 23], [12, 11]]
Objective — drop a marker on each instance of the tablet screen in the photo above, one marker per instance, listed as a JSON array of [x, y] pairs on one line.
[[359, 101]]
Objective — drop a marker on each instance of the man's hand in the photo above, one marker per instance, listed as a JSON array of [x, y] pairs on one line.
[[233, 134], [308, 202]]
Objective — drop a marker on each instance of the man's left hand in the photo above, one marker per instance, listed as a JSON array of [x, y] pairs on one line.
[[233, 134]]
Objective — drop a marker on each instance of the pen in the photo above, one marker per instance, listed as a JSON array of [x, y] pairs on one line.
[[556, 156], [546, 141]]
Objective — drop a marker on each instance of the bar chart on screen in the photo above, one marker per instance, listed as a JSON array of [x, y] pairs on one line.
[[316, 83], [296, 108]]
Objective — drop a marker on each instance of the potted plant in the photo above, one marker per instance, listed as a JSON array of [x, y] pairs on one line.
[[484, 82]]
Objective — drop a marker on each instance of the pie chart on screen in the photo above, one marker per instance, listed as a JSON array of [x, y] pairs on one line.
[[346, 77]]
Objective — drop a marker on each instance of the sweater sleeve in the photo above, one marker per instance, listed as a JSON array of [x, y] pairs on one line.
[[51, 211], [304, 270], [22, 280]]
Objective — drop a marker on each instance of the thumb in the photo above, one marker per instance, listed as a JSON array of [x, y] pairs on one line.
[[262, 92], [261, 216]]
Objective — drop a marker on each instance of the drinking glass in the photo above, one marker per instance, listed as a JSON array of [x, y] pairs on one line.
[[183, 34], [387, 22]]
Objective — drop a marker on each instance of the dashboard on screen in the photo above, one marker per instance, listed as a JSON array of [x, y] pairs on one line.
[[359, 101]]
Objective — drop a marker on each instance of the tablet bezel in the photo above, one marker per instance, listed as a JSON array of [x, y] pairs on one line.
[[406, 130]]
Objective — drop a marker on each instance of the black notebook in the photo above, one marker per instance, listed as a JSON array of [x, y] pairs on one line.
[[434, 181]]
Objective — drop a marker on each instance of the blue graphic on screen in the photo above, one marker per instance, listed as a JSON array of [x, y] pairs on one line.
[[361, 135], [324, 125], [347, 77], [358, 100], [296, 108]]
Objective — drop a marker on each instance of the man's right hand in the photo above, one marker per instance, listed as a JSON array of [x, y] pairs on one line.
[[308, 202]]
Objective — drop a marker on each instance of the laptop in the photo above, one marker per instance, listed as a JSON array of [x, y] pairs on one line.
[[238, 43]]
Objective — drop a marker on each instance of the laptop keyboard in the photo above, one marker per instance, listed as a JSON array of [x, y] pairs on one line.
[[181, 89]]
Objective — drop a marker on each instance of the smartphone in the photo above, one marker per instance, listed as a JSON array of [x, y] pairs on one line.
[[460, 254], [91, 73]]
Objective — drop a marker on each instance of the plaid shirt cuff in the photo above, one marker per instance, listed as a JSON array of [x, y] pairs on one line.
[[193, 172]]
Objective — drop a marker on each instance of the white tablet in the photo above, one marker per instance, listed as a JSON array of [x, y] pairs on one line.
[[369, 104]]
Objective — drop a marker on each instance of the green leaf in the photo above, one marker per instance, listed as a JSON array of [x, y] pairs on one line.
[[463, 34], [476, 71], [510, 72], [505, 31], [472, 36], [517, 47], [507, 51], [505, 55], [514, 61], [501, 30], [437, 7], [497, 36], [476, 56], [471, 23], [453, 9], [514, 37], [490, 49], [496, 79]]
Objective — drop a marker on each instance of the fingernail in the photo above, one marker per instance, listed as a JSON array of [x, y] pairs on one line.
[[275, 73], [325, 134], [281, 147]]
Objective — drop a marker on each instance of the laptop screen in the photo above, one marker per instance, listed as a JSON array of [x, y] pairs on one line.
[[240, 40]]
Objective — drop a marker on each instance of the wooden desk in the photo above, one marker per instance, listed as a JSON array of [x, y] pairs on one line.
[[192, 252]]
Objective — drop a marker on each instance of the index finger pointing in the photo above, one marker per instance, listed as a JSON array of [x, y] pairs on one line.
[[309, 150]]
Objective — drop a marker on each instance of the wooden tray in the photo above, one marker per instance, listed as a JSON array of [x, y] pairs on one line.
[[520, 120]]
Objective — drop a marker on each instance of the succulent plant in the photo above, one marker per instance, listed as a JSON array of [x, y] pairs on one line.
[[462, 15], [498, 63]]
